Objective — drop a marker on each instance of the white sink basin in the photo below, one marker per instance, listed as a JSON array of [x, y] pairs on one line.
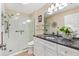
[[50, 38]]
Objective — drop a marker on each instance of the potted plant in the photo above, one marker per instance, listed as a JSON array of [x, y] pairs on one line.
[[66, 32]]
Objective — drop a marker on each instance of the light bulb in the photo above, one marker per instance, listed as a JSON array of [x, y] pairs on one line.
[[61, 7], [55, 9], [57, 5], [52, 6]]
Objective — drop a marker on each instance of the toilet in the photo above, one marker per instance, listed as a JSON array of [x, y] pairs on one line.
[[30, 47]]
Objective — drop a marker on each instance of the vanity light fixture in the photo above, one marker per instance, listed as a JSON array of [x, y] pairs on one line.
[[56, 7], [61, 7], [52, 6], [49, 11], [64, 4]]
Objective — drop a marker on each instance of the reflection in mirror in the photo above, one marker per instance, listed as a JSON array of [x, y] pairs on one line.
[[54, 24]]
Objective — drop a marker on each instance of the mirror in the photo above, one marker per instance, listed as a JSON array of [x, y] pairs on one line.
[[54, 24]]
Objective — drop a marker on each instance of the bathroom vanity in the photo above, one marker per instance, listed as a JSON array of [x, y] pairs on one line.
[[55, 46]]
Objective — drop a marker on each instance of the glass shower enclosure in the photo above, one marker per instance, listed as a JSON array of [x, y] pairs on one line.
[[16, 32]]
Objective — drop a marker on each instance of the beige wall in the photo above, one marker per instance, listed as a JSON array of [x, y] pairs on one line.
[[59, 18], [39, 26]]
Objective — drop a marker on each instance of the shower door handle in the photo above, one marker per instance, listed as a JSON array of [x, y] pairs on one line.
[[1, 44]]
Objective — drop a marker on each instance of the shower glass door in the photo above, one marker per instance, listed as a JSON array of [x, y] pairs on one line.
[[20, 34]]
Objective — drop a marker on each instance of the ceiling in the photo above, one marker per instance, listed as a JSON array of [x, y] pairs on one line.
[[24, 8]]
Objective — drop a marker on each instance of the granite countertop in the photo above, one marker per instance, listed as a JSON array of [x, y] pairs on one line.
[[73, 43]]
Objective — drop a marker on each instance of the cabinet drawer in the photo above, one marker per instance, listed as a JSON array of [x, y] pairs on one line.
[[50, 52], [38, 49], [67, 51]]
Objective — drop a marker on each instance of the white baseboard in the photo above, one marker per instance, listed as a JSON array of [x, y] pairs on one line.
[[18, 52]]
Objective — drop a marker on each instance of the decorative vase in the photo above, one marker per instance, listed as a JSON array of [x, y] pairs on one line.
[[69, 37]]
